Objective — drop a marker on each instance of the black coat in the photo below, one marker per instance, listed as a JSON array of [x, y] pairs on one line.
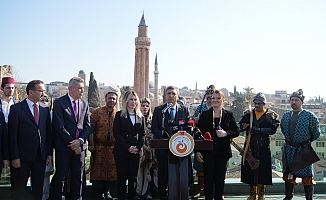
[[221, 146], [4, 147], [181, 113], [127, 134], [259, 145]]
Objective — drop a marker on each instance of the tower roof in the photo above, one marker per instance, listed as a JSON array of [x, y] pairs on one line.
[[142, 21], [156, 60]]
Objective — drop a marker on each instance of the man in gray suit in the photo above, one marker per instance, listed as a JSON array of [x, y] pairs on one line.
[[71, 124]]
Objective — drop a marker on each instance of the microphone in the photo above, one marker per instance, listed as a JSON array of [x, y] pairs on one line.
[[198, 133], [166, 108], [191, 123], [181, 124], [208, 136]]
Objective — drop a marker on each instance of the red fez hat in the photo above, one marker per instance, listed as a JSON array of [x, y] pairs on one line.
[[6, 80]]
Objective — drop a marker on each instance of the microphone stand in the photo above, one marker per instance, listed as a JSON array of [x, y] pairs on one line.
[[163, 127]]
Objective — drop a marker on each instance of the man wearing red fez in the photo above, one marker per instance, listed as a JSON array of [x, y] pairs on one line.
[[7, 100]]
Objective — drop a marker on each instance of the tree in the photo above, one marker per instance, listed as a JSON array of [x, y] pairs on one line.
[[93, 93], [239, 105]]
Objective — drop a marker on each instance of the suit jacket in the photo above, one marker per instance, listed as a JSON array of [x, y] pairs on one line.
[[221, 146], [25, 136], [181, 113], [4, 147], [65, 124], [127, 134]]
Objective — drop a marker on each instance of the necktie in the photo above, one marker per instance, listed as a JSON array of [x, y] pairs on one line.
[[172, 113], [36, 115], [76, 115], [76, 109]]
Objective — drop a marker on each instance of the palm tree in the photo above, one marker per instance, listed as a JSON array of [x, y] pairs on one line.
[[248, 91]]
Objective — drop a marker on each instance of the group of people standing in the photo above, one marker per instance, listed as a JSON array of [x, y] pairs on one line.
[[119, 142]]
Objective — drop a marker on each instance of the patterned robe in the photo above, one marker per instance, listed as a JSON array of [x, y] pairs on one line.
[[103, 167], [306, 127], [147, 177]]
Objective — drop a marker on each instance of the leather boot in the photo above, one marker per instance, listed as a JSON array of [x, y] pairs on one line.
[[200, 188], [309, 191], [253, 192], [289, 187], [261, 191]]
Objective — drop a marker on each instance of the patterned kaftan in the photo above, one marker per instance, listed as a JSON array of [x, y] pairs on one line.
[[103, 167], [306, 127], [147, 177]]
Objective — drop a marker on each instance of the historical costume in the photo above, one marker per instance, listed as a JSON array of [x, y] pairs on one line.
[[300, 127], [103, 167], [264, 124], [147, 178]]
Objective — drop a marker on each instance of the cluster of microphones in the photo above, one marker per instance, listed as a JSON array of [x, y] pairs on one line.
[[190, 127]]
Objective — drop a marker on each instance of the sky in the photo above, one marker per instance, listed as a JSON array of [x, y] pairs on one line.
[[265, 45]]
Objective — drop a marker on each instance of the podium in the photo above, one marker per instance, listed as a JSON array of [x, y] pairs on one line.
[[178, 168]]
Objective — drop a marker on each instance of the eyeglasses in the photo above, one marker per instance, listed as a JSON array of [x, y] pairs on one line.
[[208, 98], [145, 106], [41, 91]]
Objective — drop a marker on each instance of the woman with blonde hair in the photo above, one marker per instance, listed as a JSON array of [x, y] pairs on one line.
[[128, 128]]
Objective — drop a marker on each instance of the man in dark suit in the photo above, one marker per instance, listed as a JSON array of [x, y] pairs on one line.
[[71, 124], [173, 114], [29, 128]]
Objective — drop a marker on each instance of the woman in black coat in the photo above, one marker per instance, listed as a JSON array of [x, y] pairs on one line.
[[128, 131], [222, 126]]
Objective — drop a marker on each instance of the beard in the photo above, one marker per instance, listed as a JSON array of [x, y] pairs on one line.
[[110, 104]]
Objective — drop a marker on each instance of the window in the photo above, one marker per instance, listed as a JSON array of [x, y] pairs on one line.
[[279, 143], [321, 154], [320, 144]]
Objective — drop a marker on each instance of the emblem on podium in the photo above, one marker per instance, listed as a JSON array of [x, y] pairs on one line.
[[181, 144]]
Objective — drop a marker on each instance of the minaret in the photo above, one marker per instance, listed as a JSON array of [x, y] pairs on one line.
[[141, 71], [196, 92], [156, 82]]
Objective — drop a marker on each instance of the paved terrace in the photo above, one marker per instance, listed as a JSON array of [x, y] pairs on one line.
[[234, 190]]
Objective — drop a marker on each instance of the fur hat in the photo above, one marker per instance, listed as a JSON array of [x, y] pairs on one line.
[[210, 89], [298, 94], [113, 89], [260, 97]]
